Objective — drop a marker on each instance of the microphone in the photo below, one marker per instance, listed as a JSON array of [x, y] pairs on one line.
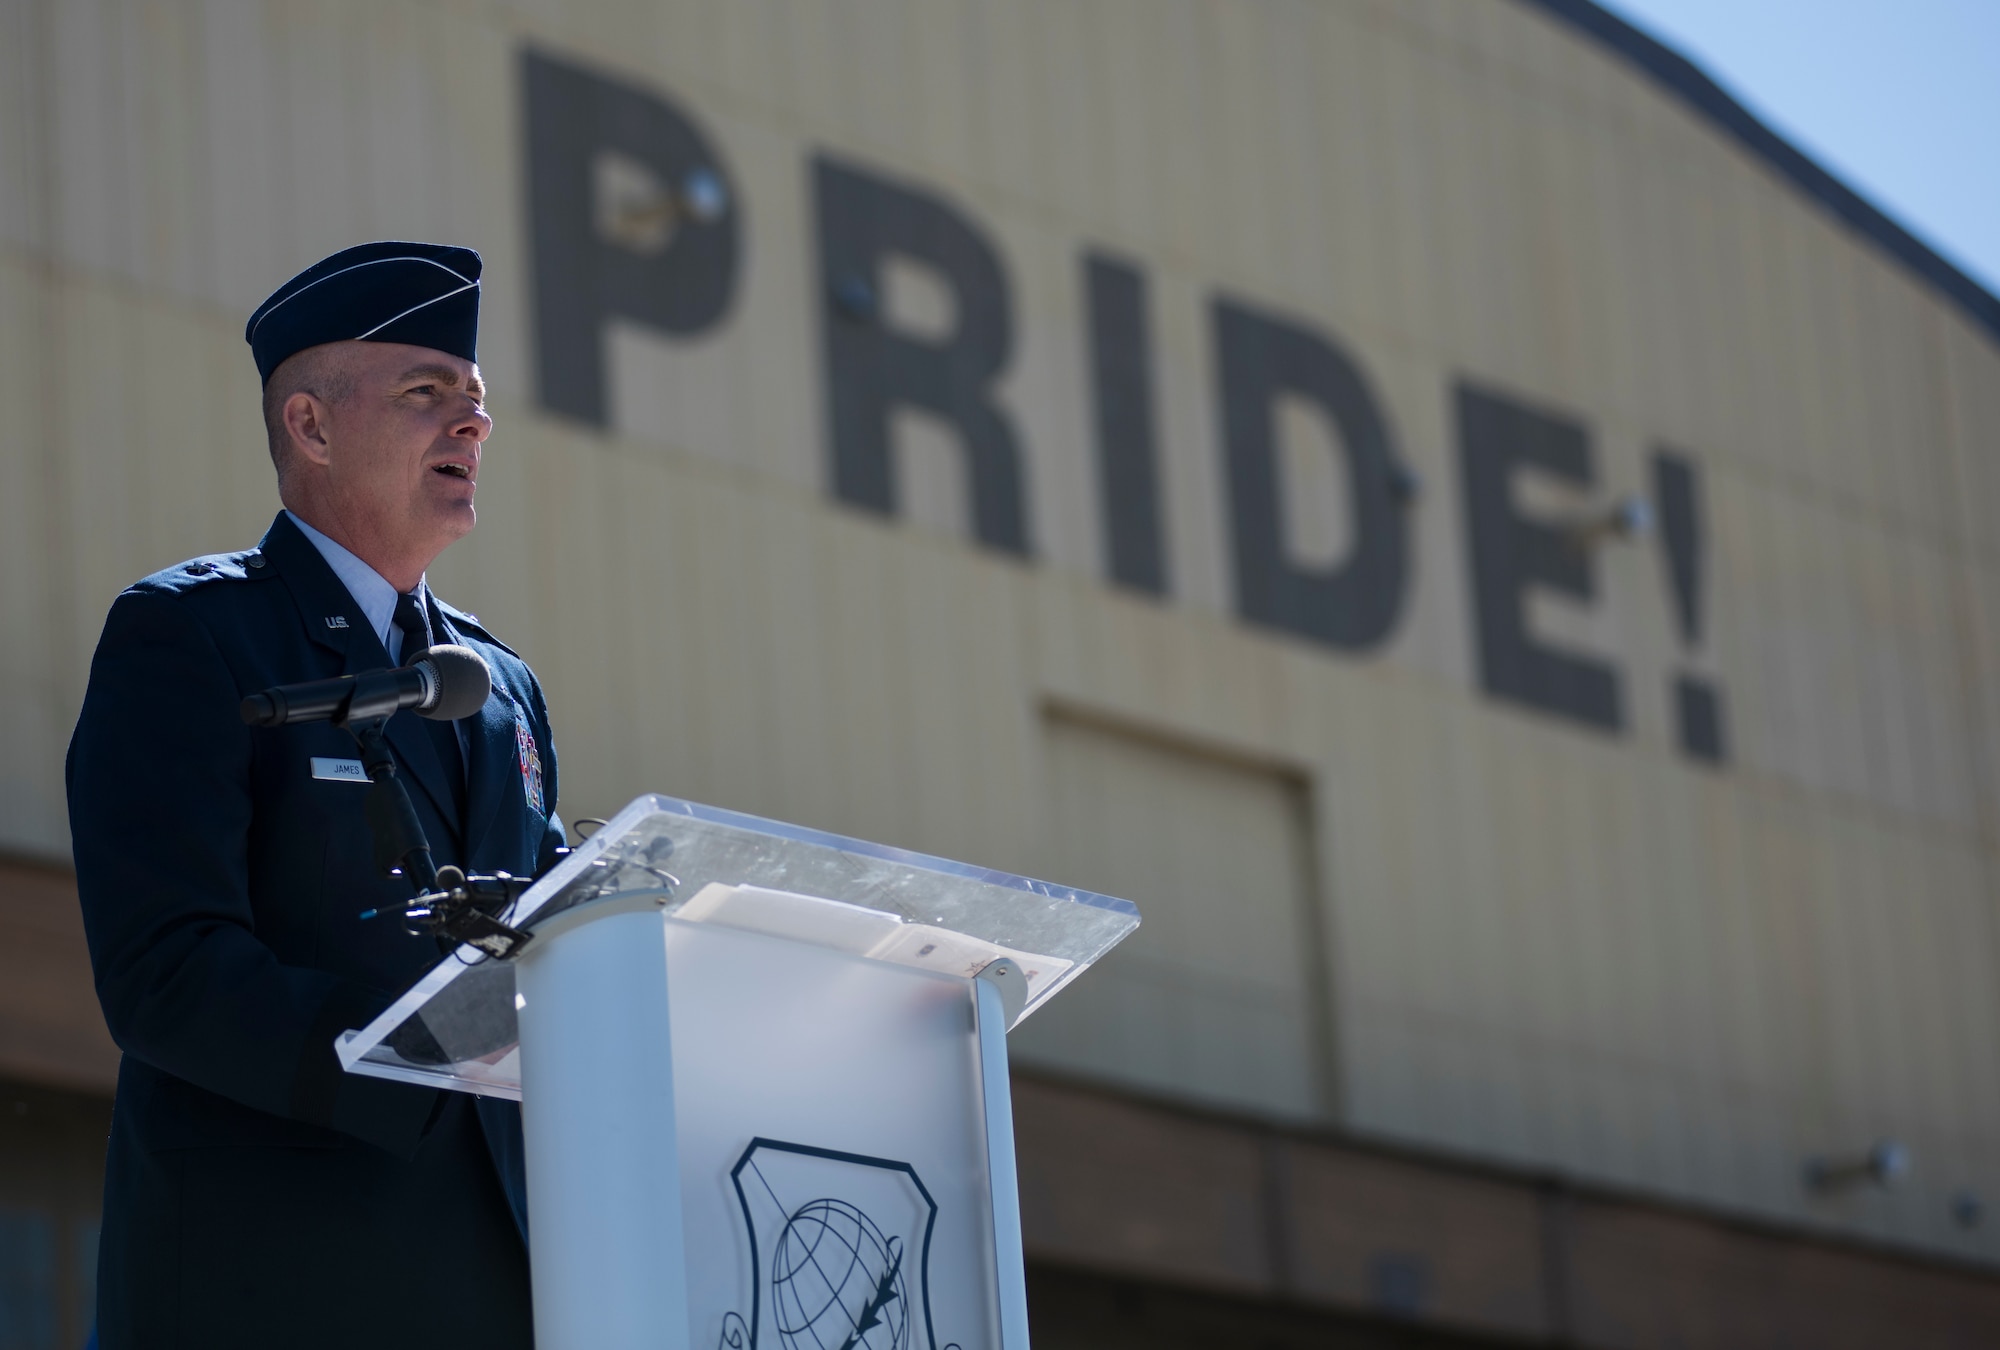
[[443, 683]]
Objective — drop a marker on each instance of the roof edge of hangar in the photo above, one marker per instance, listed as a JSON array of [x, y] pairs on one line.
[[1686, 79]]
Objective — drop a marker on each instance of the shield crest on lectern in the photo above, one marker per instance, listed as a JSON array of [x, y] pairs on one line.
[[839, 1247]]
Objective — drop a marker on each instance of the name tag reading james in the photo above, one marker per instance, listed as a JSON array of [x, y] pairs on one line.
[[339, 770]]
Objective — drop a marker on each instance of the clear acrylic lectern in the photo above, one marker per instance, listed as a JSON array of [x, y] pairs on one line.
[[763, 1077]]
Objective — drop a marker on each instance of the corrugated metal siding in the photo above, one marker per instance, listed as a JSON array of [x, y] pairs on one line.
[[1547, 946]]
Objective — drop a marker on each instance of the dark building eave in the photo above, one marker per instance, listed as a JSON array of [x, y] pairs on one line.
[[1687, 80]]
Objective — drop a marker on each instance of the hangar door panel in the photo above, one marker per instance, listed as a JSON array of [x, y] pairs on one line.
[[1219, 995]]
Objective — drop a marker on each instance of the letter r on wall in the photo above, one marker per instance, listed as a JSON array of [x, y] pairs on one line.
[[871, 368]]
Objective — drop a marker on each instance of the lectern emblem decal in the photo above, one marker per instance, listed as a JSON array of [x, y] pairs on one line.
[[839, 1251]]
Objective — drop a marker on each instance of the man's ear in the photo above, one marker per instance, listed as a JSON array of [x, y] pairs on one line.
[[306, 427]]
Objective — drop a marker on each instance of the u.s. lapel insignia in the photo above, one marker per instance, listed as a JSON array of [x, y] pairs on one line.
[[531, 764], [336, 621]]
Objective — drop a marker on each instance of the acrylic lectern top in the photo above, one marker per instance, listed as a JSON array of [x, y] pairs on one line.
[[456, 1026]]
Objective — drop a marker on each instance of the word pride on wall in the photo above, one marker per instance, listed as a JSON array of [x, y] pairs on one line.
[[579, 121]]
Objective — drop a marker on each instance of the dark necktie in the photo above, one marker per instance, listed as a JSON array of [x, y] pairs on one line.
[[412, 617]]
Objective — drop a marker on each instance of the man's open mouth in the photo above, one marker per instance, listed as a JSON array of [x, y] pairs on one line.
[[455, 470]]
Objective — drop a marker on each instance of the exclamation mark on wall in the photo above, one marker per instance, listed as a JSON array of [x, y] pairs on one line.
[[1698, 715]]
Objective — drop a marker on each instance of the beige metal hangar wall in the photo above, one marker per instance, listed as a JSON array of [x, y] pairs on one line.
[[1406, 886]]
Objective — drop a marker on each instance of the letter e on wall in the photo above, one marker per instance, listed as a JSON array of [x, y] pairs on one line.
[[1509, 553]]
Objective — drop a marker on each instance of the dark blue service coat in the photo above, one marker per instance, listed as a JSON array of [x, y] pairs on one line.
[[255, 1195]]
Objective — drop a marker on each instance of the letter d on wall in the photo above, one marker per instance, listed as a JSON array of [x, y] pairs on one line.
[[1355, 604], [632, 217]]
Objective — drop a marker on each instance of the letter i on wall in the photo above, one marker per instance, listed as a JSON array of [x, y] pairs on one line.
[[1699, 725]]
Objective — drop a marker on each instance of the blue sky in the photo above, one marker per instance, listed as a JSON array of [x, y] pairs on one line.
[[1898, 98]]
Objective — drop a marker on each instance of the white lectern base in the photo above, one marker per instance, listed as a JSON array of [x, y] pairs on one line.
[[842, 1128], [597, 1107]]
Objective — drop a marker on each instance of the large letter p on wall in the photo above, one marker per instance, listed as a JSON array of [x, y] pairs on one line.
[[633, 217]]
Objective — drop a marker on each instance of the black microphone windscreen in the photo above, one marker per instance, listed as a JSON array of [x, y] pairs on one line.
[[463, 682]]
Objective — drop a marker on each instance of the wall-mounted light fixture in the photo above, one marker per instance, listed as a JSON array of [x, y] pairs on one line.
[[1405, 483], [641, 212], [703, 196], [1882, 1165], [1626, 519]]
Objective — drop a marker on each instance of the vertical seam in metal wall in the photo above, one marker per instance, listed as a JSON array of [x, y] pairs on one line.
[[1329, 1088], [60, 660], [1275, 1169], [1553, 1211]]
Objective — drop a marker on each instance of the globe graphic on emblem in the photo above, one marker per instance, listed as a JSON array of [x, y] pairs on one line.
[[837, 1283]]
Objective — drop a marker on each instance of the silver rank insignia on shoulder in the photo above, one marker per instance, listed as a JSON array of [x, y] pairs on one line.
[[336, 621]]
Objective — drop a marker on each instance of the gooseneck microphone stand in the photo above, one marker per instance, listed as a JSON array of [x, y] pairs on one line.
[[449, 905], [400, 846]]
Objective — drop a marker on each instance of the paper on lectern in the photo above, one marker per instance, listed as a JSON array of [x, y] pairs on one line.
[[809, 918], [873, 933]]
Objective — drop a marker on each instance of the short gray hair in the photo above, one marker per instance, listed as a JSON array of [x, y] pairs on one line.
[[324, 372]]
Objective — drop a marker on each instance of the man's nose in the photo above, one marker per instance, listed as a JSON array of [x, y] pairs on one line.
[[473, 421]]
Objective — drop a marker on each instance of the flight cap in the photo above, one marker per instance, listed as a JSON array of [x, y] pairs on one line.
[[426, 295]]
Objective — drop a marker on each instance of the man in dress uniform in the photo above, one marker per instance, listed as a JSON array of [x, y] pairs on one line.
[[255, 1195]]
